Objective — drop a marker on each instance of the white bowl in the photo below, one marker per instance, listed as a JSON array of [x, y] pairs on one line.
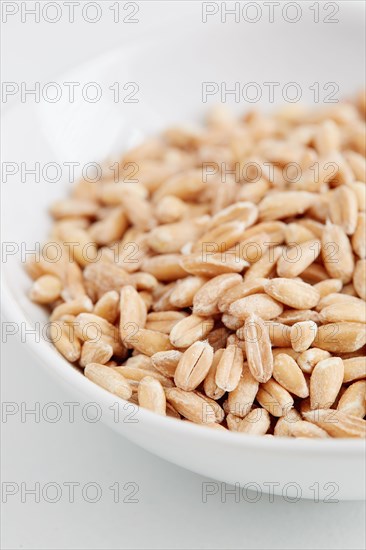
[[169, 67]]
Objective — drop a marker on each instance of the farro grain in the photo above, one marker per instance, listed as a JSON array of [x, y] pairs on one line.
[[337, 423], [274, 398], [108, 379], [193, 366], [258, 348], [325, 382], [353, 400], [256, 422], [229, 368], [289, 375], [302, 335], [151, 395]]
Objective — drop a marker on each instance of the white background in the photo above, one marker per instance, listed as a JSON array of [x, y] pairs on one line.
[[170, 512]]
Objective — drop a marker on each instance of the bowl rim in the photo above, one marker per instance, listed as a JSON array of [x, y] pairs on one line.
[[68, 373]]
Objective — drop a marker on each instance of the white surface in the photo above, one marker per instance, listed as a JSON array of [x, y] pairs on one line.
[[170, 512]]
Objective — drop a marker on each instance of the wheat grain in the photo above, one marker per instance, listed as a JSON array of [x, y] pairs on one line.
[[258, 348], [325, 382]]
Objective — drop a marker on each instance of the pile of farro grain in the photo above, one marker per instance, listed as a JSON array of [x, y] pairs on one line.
[[222, 279]]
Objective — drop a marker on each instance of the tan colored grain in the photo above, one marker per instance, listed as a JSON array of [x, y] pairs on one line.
[[233, 422], [264, 266], [107, 307], [93, 328], [244, 212], [337, 423], [280, 334], [296, 258], [109, 229], [229, 368], [309, 358], [274, 398], [132, 315], [65, 340], [357, 162], [166, 361], [342, 337], [253, 192], [221, 237], [289, 351], [191, 406], [279, 205], [343, 209], [211, 264], [151, 395], [353, 400], [73, 307], [293, 293], [274, 229], [170, 209], [165, 267], [161, 297], [95, 352], [307, 429], [296, 233], [108, 379], [219, 411], [337, 253], [239, 291], [258, 348], [231, 322], [359, 236], [329, 286], [327, 137], [261, 304], [139, 361], [359, 188], [289, 375], [164, 321], [354, 368], [354, 311], [349, 289], [143, 281], [46, 289], [337, 298], [210, 387], [359, 278], [134, 374], [252, 249], [325, 382], [185, 290], [193, 366], [314, 273], [257, 422], [170, 238], [205, 302], [292, 316], [189, 330], [303, 335], [101, 277], [150, 342], [241, 399]]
